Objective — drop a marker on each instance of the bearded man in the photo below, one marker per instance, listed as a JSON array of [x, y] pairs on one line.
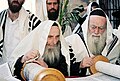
[[97, 33], [51, 50], [53, 9], [15, 24], [50, 10], [97, 38], [45, 42]]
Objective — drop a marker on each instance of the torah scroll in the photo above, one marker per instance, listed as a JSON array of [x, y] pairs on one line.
[[101, 64], [108, 68], [35, 72]]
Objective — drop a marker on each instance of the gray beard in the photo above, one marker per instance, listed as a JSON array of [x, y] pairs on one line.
[[52, 55], [96, 44]]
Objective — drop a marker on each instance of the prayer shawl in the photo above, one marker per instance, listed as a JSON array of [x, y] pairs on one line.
[[41, 12], [28, 22], [37, 39], [117, 33], [78, 27], [80, 50], [89, 8], [41, 9]]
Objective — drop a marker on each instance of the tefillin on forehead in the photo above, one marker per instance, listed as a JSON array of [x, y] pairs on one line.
[[98, 12]]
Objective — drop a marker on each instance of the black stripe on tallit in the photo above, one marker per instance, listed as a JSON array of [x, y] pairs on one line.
[[81, 36], [3, 27], [115, 39], [1, 17]]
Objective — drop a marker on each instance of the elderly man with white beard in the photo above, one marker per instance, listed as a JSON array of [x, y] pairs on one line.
[[47, 43], [96, 34], [97, 38]]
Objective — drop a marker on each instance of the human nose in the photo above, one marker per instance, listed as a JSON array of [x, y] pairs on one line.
[[55, 41], [52, 5], [96, 30]]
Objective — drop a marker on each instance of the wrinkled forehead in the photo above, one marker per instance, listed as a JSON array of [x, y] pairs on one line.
[[97, 20]]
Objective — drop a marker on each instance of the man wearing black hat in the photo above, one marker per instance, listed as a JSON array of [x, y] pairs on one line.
[[97, 38]]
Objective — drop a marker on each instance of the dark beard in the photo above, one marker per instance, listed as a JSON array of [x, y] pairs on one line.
[[53, 15], [15, 8]]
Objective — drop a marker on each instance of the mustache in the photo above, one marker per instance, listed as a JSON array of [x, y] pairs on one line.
[[96, 35], [52, 9], [16, 2]]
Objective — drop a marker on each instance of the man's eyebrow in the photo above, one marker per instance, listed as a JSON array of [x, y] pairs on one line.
[[92, 25], [50, 36], [57, 35], [52, 2], [49, 2]]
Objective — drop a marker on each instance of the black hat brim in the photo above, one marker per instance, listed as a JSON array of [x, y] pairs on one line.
[[116, 14]]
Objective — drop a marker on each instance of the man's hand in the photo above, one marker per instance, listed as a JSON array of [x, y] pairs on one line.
[[86, 62], [41, 62], [30, 55]]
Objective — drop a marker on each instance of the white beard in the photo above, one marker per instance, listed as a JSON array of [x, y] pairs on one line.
[[96, 44], [52, 54]]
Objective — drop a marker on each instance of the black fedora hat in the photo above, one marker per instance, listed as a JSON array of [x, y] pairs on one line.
[[116, 14]]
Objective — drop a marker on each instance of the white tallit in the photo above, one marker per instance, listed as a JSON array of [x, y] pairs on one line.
[[41, 9], [41, 12], [89, 8], [80, 49], [21, 33], [117, 32], [37, 40]]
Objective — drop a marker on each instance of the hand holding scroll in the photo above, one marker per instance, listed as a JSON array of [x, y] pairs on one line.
[[32, 54], [86, 62]]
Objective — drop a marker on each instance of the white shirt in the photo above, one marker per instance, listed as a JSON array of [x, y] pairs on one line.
[[12, 36]]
